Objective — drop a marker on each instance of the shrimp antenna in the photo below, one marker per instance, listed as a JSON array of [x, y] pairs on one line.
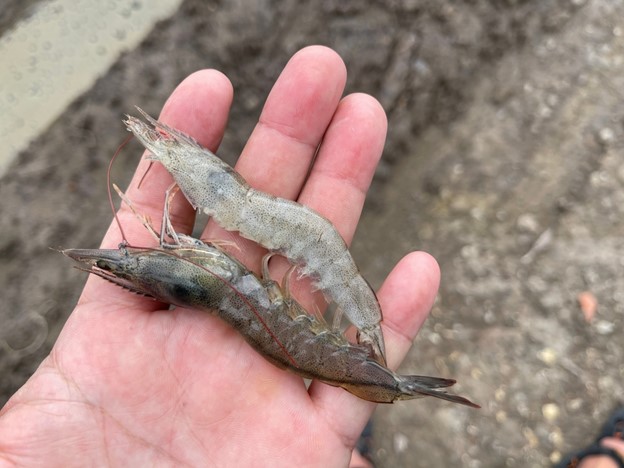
[[145, 173], [108, 186]]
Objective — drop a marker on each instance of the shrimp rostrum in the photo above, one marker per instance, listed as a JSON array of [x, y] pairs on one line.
[[304, 237], [191, 273]]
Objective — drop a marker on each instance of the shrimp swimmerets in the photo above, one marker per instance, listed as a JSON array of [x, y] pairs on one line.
[[200, 275], [300, 234]]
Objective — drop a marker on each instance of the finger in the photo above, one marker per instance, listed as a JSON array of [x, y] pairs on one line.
[[614, 443], [297, 112], [341, 175], [346, 163], [406, 298], [294, 119], [199, 106]]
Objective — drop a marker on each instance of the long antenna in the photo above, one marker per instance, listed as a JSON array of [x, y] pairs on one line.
[[108, 186]]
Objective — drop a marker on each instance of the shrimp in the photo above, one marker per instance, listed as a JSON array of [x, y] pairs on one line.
[[304, 237], [191, 273]]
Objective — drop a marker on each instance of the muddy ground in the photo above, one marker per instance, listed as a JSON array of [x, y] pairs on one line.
[[503, 160]]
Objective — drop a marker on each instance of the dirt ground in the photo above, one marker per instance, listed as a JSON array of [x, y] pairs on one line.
[[503, 160]]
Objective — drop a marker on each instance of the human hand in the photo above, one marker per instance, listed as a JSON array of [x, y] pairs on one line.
[[130, 382]]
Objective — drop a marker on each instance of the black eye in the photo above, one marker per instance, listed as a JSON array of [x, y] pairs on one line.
[[102, 265], [181, 292]]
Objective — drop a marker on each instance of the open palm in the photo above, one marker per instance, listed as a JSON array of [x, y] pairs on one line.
[[131, 382]]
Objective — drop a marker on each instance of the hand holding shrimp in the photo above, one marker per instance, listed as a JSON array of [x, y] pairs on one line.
[[190, 273], [181, 386]]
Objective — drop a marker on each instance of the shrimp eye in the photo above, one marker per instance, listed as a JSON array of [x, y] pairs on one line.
[[102, 265]]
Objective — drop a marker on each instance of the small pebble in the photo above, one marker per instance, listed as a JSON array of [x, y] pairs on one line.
[[530, 436], [547, 356], [575, 404], [435, 338], [606, 135], [400, 442], [556, 437], [550, 412], [528, 222], [604, 327]]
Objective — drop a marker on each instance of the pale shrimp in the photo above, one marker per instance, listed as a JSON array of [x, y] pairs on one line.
[[300, 234]]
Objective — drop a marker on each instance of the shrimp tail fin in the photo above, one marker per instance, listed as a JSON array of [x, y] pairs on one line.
[[416, 386], [431, 382]]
